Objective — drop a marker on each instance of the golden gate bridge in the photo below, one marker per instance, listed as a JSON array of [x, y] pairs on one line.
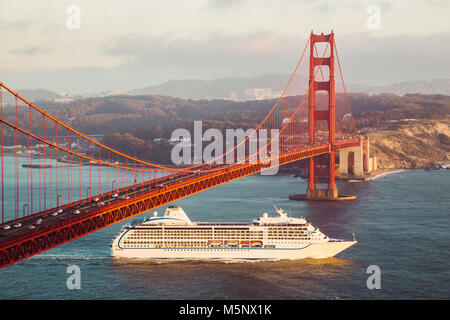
[[53, 201]]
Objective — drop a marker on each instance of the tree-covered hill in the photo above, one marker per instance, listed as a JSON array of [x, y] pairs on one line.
[[131, 123]]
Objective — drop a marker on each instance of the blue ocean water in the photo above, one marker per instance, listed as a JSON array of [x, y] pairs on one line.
[[401, 223]]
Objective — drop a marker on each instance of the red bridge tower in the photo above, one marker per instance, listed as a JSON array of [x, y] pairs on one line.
[[314, 115]]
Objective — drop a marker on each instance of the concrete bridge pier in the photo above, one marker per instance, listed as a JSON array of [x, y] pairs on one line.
[[351, 163], [354, 162]]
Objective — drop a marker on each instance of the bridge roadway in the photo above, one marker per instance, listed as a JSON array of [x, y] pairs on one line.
[[21, 226], [62, 224]]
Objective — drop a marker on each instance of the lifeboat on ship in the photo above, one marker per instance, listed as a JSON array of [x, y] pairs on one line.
[[214, 243], [231, 243], [245, 244], [256, 244]]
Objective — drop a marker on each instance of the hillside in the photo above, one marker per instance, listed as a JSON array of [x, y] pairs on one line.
[[31, 95], [269, 85], [413, 144], [132, 123], [235, 87], [435, 86], [222, 88]]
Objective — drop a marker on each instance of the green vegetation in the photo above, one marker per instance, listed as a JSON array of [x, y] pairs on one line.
[[375, 111], [131, 123]]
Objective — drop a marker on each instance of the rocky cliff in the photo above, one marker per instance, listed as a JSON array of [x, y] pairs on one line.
[[411, 145]]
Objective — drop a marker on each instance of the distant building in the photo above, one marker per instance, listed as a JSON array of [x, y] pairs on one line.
[[233, 96], [181, 139], [347, 117], [64, 98], [113, 93], [259, 94]]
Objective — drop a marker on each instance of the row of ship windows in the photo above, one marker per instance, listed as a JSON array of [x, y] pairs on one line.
[[184, 243], [181, 245], [216, 233], [170, 244], [270, 236], [240, 239], [217, 237], [188, 242], [218, 230], [194, 235], [149, 228], [194, 232], [260, 239]]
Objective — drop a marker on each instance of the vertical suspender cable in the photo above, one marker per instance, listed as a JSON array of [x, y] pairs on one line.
[[16, 163], [45, 164], [1, 132], [99, 171], [57, 165], [90, 172], [28, 174], [80, 177], [31, 159]]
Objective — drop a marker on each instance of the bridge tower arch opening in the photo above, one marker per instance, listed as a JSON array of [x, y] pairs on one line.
[[351, 163]]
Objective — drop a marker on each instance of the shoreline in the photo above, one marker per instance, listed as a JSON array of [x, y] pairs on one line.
[[383, 173]]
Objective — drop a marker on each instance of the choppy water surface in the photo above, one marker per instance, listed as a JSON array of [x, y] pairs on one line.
[[401, 222]]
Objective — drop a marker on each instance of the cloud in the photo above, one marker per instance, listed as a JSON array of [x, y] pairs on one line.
[[380, 60], [220, 54], [365, 59], [224, 4], [29, 51], [14, 25], [437, 2]]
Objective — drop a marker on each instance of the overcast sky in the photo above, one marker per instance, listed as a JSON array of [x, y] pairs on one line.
[[122, 45]]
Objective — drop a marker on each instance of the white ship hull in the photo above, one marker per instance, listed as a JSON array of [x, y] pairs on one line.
[[174, 236], [313, 250]]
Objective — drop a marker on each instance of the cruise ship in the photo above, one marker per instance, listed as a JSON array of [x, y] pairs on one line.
[[175, 236]]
